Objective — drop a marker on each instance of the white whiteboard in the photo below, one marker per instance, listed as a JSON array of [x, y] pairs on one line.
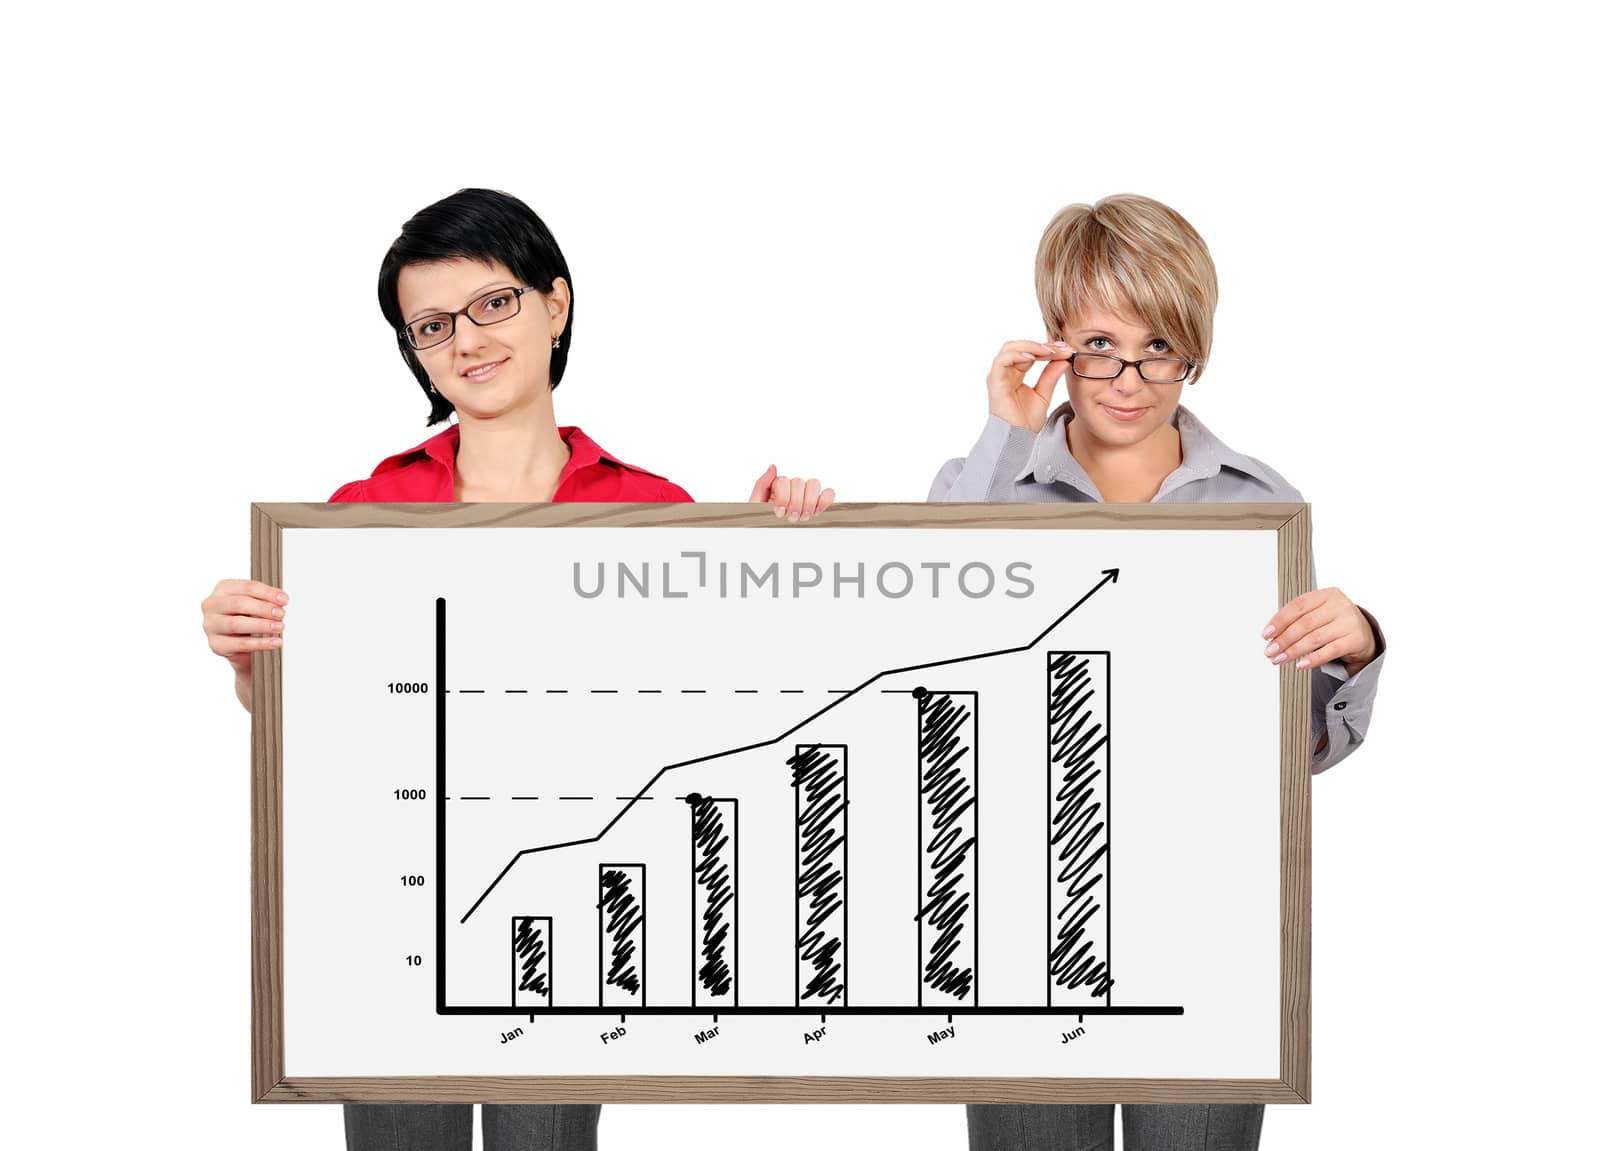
[[713, 953]]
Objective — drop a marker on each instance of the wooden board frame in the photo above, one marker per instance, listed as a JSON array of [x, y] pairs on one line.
[[1292, 524]]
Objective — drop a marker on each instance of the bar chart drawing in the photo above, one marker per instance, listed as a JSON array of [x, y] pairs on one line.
[[716, 800], [689, 810]]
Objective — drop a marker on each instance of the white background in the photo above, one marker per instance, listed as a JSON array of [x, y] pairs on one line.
[[798, 236]]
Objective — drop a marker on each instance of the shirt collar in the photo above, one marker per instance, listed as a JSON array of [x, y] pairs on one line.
[[442, 450], [1204, 456]]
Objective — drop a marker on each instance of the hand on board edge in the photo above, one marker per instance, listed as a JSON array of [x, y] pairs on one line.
[[792, 497], [242, 616], [1320, 626]]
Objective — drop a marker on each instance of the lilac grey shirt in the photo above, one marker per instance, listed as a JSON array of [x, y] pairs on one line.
[[1013, 465]]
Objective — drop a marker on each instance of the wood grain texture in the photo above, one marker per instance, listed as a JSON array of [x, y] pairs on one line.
[[1235, 517], [1294, 727], [266, 828], [1291, 522]]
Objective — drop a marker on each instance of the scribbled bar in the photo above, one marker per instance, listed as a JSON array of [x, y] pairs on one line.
[[714, 863], [947, 848], [818, 776], [531, 982], [1078, 747], [622, 935]]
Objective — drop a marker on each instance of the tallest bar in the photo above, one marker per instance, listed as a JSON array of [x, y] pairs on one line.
[[1078, 763]]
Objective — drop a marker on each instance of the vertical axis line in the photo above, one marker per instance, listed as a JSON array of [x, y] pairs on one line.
[[438, 801]]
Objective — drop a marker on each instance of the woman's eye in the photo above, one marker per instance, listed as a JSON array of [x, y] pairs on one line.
[[495, 303], [1093, 340], [1160, 346], [431, 328]]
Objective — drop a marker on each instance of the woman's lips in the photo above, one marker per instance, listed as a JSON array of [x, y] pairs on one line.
[[1126, 415], [483, 372]]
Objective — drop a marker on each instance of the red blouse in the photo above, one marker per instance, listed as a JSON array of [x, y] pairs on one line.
[[427, 474]]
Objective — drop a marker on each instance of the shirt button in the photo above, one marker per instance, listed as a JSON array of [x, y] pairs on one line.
[[1339, 706]]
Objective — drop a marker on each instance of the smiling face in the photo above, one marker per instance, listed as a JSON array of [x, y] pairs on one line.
[[1126, 410], [485, 370]]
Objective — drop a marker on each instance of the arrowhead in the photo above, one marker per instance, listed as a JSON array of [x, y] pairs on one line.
[[1112, 572]]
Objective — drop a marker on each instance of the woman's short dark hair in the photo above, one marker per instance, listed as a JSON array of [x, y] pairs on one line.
[[474, 224]]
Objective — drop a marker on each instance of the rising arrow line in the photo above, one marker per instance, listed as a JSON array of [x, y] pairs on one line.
[[1108, 575]]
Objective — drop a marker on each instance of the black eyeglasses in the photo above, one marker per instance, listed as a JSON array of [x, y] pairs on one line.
[[1164, 370], [490, 308]]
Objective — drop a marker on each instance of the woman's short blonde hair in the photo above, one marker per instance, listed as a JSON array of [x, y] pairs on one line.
[[1129, 254]]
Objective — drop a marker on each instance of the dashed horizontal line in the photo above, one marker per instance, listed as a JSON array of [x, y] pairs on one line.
[[647, 690], [619, 798]]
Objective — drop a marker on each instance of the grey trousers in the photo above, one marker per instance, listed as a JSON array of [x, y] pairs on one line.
[[990, 1127], [1087, 1127], [448, 1127]]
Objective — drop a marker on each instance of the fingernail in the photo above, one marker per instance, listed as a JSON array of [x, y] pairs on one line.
[[1304, 661], [1268, 632], [277, 611], [277, 625], [274, 639], [794, 516], [804, 516], [1273, 648], [282, 598], [779, 509], [1277, 659]]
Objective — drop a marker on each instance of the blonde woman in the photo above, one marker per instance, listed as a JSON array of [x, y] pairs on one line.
[[1127, 290]]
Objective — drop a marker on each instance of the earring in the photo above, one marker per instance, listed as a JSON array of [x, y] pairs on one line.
[[555, 343]]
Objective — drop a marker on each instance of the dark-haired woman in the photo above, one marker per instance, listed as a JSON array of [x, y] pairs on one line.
[[481, 302]]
